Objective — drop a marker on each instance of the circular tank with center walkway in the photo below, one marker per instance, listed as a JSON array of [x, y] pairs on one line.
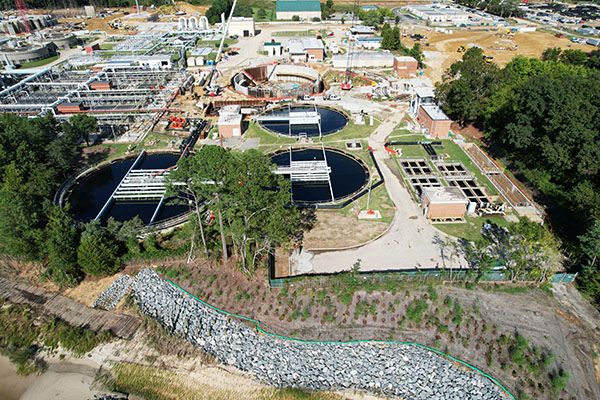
[[348, 175], [90, 194], [303, 120]]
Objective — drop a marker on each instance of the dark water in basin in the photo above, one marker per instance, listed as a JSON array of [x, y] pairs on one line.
[[331, 122], [89, 196], [347, 175]]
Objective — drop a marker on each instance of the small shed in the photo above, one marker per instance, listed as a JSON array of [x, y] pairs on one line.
[[230, 121]]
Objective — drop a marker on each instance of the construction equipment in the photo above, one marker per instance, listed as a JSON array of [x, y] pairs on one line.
[[213, 88], [347, 83], [488, 59], [461, 49]]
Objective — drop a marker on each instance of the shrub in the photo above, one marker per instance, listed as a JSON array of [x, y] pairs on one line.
[[295, 18], [457, 313], [433, 295], [415, 310]]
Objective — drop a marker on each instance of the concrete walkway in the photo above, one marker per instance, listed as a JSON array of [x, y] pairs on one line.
[[411, 242]]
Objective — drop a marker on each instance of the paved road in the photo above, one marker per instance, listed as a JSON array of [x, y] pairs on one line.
[[410, 243]]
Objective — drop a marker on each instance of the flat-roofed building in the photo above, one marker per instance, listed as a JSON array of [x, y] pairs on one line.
[[304, 9], [362, 59], [434, 121], [273, 48], [230, 121], [446, 203], [306, 49], [405, 66], [241, 26]]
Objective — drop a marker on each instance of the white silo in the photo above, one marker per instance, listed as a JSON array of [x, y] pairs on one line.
[[193, 24], [182, 24], [203, 23]]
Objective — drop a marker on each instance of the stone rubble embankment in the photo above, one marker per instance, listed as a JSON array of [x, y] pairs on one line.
[[396, 370]]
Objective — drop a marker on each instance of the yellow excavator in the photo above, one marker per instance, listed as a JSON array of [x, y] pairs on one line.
[[461, 49]]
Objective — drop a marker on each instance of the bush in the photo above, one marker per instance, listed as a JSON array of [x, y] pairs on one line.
[[457, 313], [295, 18], [415, 310], [316, 19], [433, 295]]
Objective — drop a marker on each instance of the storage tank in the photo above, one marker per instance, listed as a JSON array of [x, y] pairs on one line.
[[191, 62], [199, 61]]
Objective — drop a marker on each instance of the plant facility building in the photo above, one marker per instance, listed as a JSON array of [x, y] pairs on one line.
[[433, 121], [304, 9]]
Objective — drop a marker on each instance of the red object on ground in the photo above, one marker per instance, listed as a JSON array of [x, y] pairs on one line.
[[371, 212]]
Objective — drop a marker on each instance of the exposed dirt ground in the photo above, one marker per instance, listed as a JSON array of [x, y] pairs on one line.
[[335, 230], [530, 44]]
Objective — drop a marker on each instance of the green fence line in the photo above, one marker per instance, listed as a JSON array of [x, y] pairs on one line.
[[493, 276], [342, 341]]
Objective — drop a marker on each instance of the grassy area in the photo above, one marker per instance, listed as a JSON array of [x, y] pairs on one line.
[[216, 43], [308, 32], [107, 46], [160, 384], [380, 200], [353, 131], [270, 14], [457, 154], [471, 229], [23, 334], [39, 63], [266, 138], [454, 152]]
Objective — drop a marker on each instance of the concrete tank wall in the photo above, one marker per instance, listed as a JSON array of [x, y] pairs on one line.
[[24, 55]]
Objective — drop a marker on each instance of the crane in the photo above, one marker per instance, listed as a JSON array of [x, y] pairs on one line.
[[347, 83], [213, 88], [22, 8]]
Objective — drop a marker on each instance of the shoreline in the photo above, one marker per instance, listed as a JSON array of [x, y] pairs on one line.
[[68, 379]]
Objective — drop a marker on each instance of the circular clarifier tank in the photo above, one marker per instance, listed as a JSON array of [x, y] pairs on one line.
[[299, 120], [90, 194], [348, 176]]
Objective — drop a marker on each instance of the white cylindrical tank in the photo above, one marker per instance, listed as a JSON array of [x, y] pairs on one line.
[[191, 61], [182, 24], [199, 61], [203, 23], [193, 24]]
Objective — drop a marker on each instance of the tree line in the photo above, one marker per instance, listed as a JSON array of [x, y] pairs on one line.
[[542, 116], [501, 8]]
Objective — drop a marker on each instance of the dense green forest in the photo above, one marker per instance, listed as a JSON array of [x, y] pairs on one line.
[[542, 116]]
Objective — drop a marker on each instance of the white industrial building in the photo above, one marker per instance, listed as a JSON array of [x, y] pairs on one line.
[[156, 62], [364, 59], [241, 26], [437, 13]]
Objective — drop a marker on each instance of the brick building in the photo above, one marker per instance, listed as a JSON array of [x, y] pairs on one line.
[[447, 203], [433, 120], [405, 66], [230, 121], [306, 49]]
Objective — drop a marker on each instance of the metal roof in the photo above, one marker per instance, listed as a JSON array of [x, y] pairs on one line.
[[302, 5]]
